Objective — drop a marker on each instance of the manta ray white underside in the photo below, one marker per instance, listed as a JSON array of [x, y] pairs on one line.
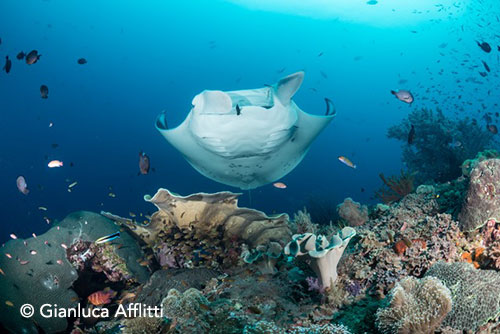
[[246, 138]]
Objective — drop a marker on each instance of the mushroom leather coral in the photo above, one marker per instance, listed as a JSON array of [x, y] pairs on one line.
[[206, 213], [324, 254]]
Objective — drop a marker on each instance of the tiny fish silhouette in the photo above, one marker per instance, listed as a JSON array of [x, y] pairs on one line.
[[44, 91], [8, 64]]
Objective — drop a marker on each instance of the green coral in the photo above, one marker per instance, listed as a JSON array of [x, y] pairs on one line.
[[417, 306], [475, 294]]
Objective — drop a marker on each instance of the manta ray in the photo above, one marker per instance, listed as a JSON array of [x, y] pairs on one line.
[[247, 138]]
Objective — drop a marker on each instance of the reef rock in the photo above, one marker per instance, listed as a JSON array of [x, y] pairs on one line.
[[206, 229], [483, 197], [38, 270]]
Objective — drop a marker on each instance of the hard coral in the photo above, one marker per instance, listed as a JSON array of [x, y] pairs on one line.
[[475, 294], [483, 197], [416, 306], [142, 325], [352, 212], [395, 188]]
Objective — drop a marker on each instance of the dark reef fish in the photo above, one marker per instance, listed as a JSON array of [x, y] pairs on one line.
[[411, 135], [44, 91], [484, 46], [492, 128], [32, 57], [143, 163], [486, 67], [483, 74], [8, 64], [403, 95], [20, 55], [82, 61]]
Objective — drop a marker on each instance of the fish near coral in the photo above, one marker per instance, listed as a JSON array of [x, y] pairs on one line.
[[102, 297]]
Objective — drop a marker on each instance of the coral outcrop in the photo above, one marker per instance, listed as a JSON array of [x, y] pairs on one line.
[[38, 270], [206, 229], [416, 306], [475, 294], [323, 254], [353, 213], [188, 311], [482, 202]]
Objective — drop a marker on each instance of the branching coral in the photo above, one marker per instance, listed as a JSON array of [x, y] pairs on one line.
[[440, 144], [475, 294], [352, 212], [415, 307], [395, 188]]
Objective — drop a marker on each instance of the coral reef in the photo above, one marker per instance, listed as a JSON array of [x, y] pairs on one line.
[[395, 187], [402, 240], [352, 212], [267, 254], [187, 311], [483, 197], [142, 325], [469, 164], [440, 145], [416, 306], [475, 294], [322, 254], [206, 229], [162, 281], [39, 271]]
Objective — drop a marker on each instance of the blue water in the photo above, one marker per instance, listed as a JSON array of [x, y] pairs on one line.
[[145, 57]]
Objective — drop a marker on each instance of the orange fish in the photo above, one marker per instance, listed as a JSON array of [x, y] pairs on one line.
[[279, 185], [102, 297], [347, 162]]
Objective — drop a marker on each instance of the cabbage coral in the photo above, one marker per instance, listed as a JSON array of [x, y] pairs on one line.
[[324, 254]]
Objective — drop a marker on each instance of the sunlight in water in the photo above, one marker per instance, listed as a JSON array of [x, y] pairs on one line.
[[373, 12]]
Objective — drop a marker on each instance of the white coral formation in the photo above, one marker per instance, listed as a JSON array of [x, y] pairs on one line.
[[323, 253], [416, 307]]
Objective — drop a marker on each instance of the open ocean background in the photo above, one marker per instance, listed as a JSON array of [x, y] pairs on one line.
[[148, 56]]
